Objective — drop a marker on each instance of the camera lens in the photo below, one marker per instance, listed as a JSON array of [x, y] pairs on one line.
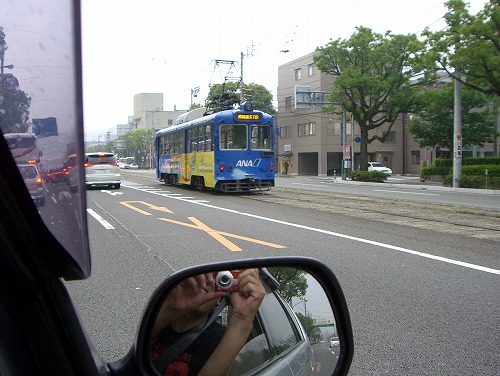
[[224, 280]]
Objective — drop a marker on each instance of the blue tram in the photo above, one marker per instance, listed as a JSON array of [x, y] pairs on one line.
[[228, 151]]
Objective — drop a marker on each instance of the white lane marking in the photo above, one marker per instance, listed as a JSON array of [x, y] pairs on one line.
[[111, 192], [406, 193], [339, 235], [100, 219], [310, 185]]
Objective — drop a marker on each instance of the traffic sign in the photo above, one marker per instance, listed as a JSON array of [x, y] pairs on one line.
[[9, 83]]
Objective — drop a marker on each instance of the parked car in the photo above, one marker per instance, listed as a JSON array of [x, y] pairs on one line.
[[34, 182], [101, 169], [377, 166]]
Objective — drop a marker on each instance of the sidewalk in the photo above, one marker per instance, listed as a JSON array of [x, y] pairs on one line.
[[395, 181]]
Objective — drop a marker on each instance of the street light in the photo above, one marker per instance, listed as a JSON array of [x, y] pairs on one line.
[[194, 93]]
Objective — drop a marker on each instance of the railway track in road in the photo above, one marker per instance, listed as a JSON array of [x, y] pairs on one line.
[[475, 223]]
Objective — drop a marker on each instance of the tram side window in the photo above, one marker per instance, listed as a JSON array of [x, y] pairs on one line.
[[233, 136], [209, 138], [261, 137], [192, 140]]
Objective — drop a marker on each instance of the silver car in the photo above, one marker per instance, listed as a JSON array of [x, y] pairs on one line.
[[278, 344], [101, 169], [34, 183]]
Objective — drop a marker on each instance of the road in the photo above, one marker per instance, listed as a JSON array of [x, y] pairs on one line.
[[423, 299]]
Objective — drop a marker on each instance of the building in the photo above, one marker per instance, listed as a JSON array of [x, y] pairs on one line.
[[149, 113], [311, 142]]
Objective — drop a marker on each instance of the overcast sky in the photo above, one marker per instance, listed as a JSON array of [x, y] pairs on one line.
[[169, 47]]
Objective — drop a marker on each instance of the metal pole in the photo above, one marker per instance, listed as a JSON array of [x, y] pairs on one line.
[[344, 127], [457, 131]]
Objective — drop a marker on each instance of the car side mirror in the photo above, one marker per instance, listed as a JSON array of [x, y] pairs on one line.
[[247, 317]]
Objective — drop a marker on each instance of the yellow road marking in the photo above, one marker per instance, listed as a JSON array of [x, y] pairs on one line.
[[219, 235], [153, 207]]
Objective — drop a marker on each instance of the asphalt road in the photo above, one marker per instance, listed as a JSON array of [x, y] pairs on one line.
[[423, 299]]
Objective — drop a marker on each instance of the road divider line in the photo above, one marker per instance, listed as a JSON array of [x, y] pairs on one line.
[[100, 219], [349, 237]]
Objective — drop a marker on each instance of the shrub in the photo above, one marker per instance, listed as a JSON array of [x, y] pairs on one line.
[[443, 162], [473, 182], [481, 161], [426, 172], [371, 176]]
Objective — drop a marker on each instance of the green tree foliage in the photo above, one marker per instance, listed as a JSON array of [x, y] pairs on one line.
[[293, 283], [313, 332], [194, 106], [372, 79], [14, 107], [258, 94], [138, 142], [432, 124], [470, 43], [107, 147]]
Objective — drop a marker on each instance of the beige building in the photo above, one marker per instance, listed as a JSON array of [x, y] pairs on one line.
[[149, 113], [311, 141]]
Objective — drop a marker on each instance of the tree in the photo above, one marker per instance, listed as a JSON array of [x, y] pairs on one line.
[[258, 94], [194, 106], [313, 332], [470, 43], [14, 107], [138, 142], [432, 124], [293, 283], [373, 74]]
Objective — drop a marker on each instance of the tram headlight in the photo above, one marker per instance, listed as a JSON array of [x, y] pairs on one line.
[[271, 166], [221, 167]]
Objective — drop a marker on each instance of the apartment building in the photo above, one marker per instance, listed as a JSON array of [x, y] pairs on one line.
[[312, 141]]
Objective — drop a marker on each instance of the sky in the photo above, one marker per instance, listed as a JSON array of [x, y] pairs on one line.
[[170, 47]]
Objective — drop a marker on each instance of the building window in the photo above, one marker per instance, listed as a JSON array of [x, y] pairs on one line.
[[297, 74], [288, 103], [310, 70], [307, 129], [170, 122], [391, 137], [415, 157], [285, 132]]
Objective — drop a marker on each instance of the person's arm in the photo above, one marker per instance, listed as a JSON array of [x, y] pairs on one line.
[[186, 297], [245, 304]]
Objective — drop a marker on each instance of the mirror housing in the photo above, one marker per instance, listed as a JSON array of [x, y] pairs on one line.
[[319, 271]]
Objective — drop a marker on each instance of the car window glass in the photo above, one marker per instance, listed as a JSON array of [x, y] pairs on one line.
[[254, 354], [101, 160], [278, 324]]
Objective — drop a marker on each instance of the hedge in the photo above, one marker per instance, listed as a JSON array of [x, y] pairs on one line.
[[473, 182], [371, 176]]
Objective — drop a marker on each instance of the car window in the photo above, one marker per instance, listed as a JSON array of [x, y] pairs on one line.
[[107, 159], [28, 172], [278, 325]]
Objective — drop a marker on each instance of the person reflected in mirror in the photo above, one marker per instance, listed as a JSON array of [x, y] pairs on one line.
[[188, 306]]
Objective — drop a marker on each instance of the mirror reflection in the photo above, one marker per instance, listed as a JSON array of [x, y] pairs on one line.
[[39, 117], [248, 321]]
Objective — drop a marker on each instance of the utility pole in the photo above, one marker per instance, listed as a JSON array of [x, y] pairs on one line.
[[457, 131], [242, 55]]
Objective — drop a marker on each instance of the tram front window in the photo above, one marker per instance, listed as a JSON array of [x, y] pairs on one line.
[[261, 137], [233, 136]]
